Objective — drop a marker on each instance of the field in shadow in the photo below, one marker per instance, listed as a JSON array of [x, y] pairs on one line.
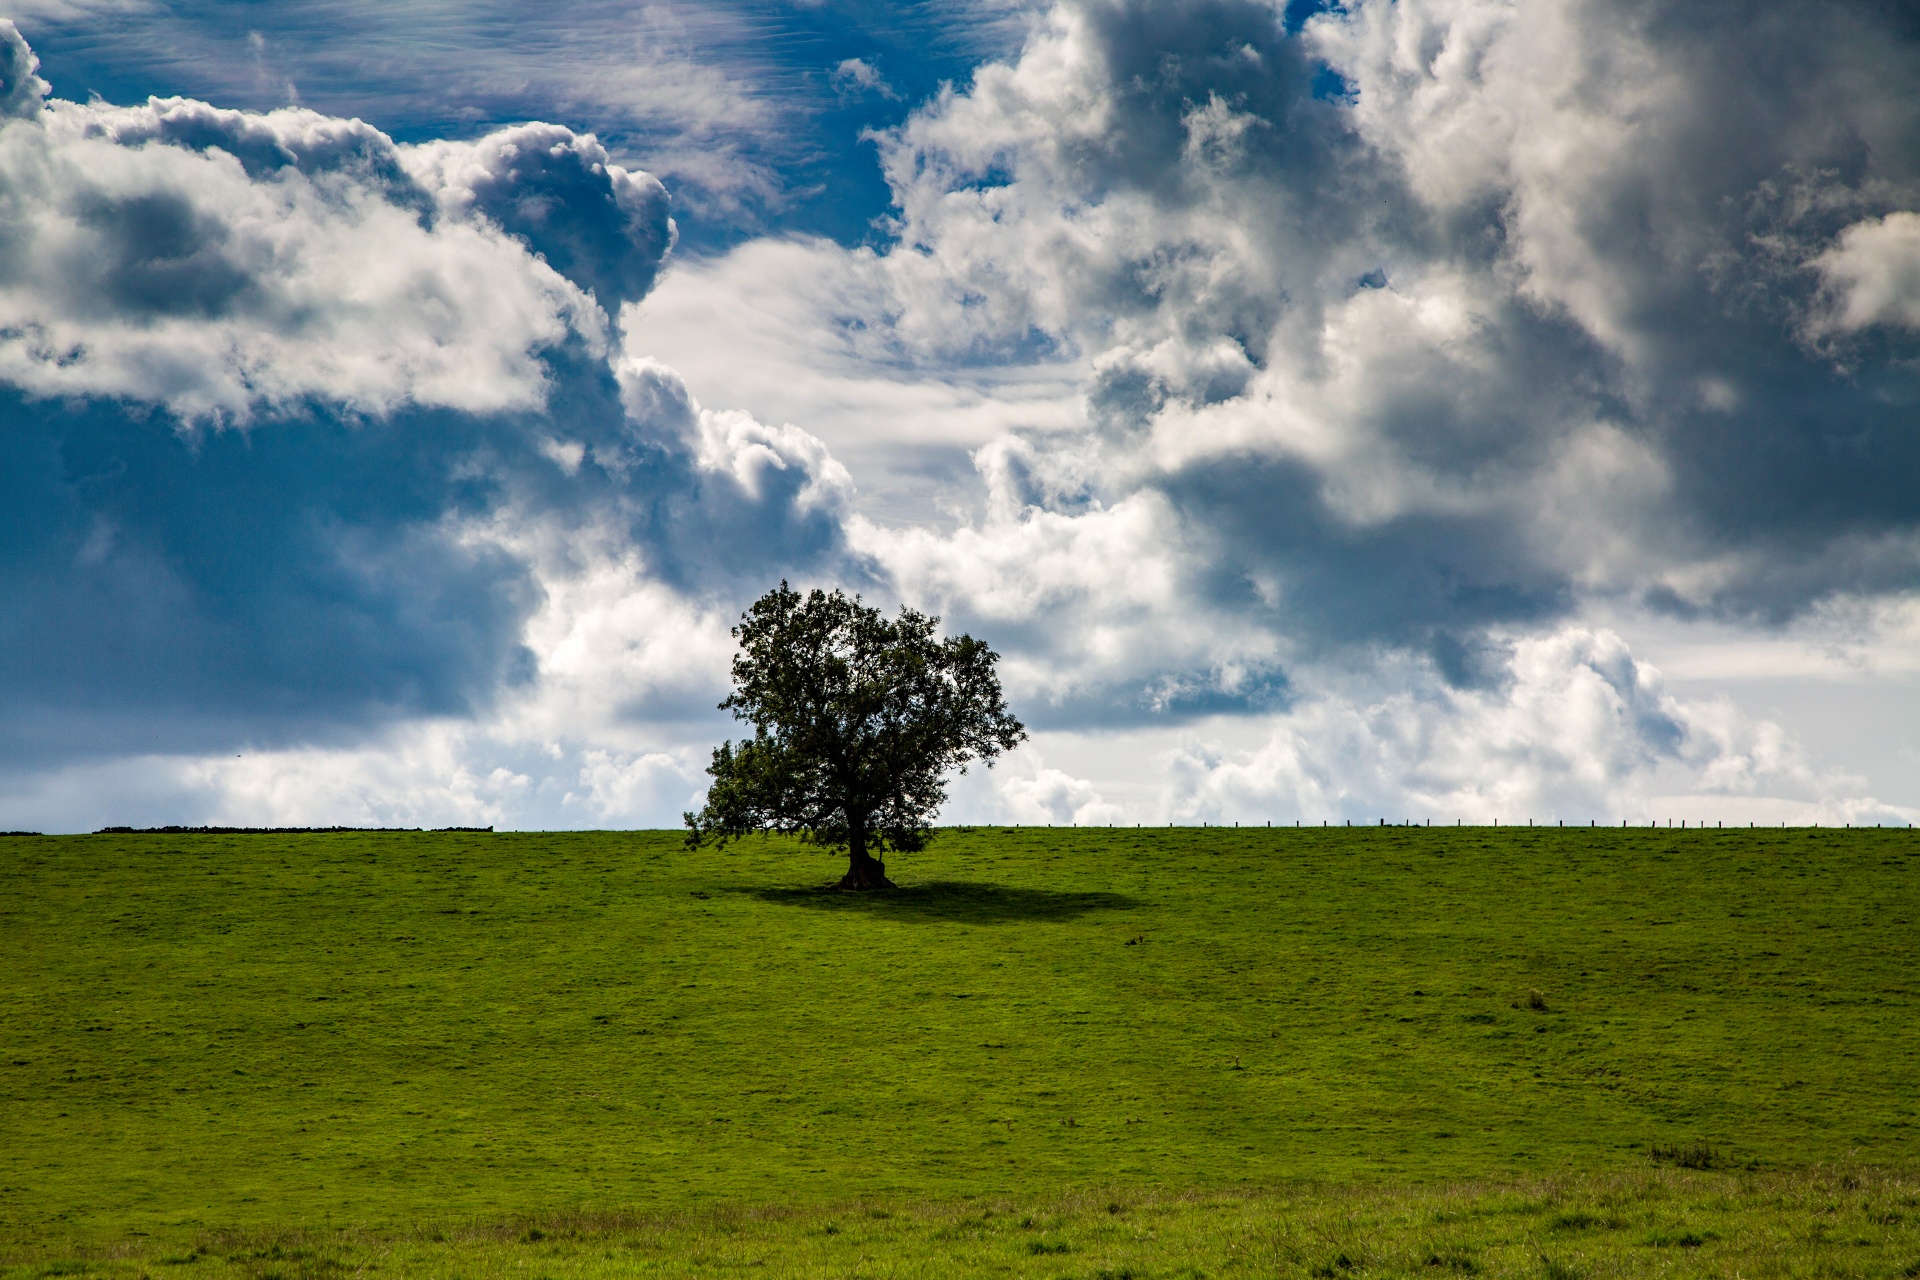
[[963, 900]]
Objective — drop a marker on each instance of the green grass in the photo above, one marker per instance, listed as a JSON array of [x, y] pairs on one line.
[[252, 1034], [1828, 1223]]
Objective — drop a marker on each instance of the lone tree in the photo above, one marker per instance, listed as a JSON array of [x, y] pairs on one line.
[[856, 721]]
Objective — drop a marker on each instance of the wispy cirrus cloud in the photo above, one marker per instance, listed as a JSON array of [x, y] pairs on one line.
[[735, 103]]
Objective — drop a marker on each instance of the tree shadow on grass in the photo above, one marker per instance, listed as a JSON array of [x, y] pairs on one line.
[[963, 900]]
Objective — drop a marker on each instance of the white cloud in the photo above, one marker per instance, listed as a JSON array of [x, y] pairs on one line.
[[144, 268], [21, 88], [1476, 345], [1025, 790], [1873, 274], [1311, 426], [800, 331], [605, 226], [1504, 287], [1578, 727], [1580, 732], [857, 76]]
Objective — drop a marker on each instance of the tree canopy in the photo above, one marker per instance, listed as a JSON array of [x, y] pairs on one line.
[[857, 720]]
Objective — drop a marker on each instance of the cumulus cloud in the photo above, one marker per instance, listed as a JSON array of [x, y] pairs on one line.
[[310, 434], [1282, 399], [806, 340], [1417, 330], [315, 579], [21, 88], [857, 76], [599, 224], [220, 264], [1873, 274], [1432, 318], [1577, 730], [422, 775]]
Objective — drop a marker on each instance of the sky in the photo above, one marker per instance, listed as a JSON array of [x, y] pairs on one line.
[[1428, 410]]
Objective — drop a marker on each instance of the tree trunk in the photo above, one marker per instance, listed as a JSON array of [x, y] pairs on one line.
[[863, 872]]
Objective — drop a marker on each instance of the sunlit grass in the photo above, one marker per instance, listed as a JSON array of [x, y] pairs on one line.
[[266, 1035], [1821, 1222]]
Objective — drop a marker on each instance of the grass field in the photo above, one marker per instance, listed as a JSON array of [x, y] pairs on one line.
[[1825, 1223], [269, 1039]]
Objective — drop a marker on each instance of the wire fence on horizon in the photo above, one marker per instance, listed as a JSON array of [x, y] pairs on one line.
[[1425, 823]]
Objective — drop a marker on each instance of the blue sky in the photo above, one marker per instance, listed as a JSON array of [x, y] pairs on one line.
[[1417, 410], [745, 105]]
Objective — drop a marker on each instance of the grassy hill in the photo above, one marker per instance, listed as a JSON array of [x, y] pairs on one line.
[[258, 1032]]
